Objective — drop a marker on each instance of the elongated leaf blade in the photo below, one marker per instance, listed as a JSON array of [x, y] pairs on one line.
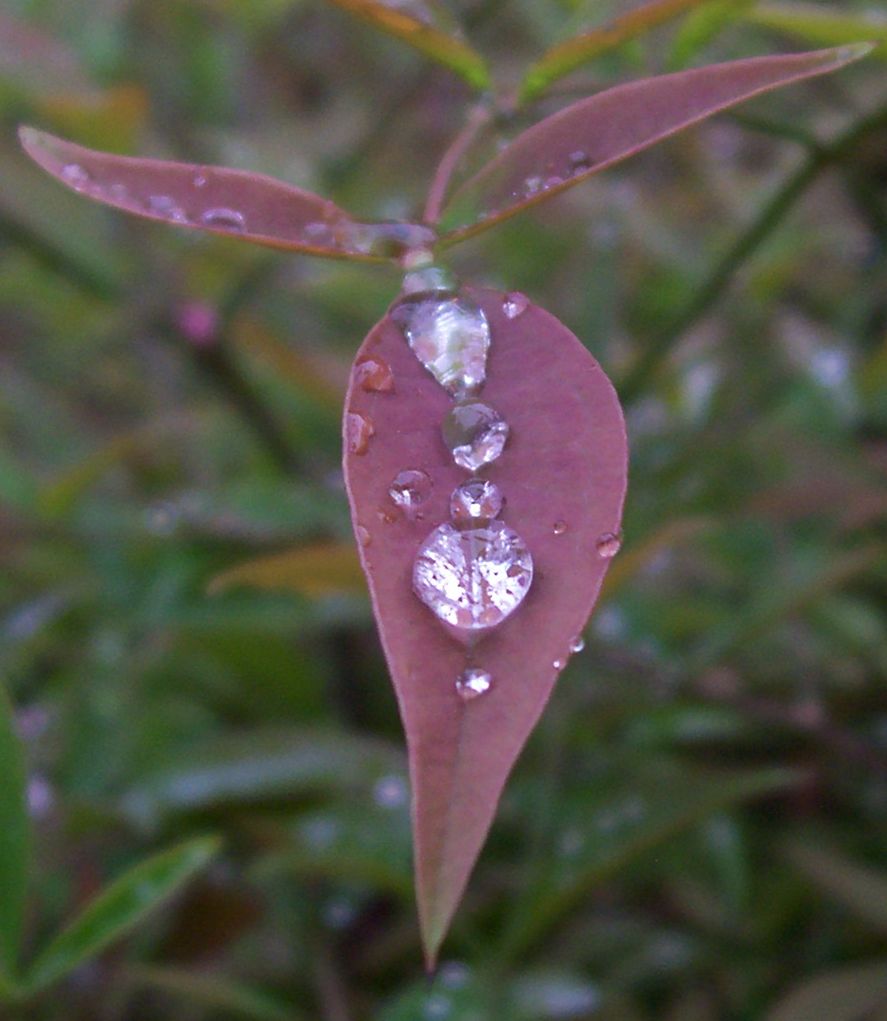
[[119, 909], [14, 843], [595, 133], [235, 203], [427, 27], [822, 24], [560, 60], [563, 475], [321, 569]]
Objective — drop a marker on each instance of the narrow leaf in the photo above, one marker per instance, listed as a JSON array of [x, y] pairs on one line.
[[320, 570], [560, 60], [703, 25], [14, 843], [235, 203], [595, 133], [427, 26], [850, 993], [823, 24], [563, 475], [119, 909]]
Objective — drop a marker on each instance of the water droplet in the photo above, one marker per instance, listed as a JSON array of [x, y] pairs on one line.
[[580, 162], [223, 219], [475, 501], [374, 375], [450, 337], [117, 192], [388, 239], [533, 185], [559, 527], [608, 544], [515, 304], [473, 578], [410, 489], [358, 432], [317, 231], [429, 280], [578, 644], [75, 175], [199, 180], [558, 664], [363, 536], [391, 792], [167, 207], [475, 433], [552, 182], [473, 683]]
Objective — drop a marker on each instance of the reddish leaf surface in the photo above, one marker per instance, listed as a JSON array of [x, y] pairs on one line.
[[565, 463], [595, 133], [232, 202]]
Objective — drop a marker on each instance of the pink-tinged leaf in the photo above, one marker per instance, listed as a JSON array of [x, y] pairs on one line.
[[563, 476], [231, 202], [428, 27], [595, 133]]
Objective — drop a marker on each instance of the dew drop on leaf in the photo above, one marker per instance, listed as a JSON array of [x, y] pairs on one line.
[[429, 280], [167, 207], [578, 644], [223, 218], [580, 162], [410, 489], [375, 376], [474, 578], [358, 432], [472, 683], [559, 527], [474, 433], [363, 535], [515, 304], [608, 544], [199, 180], [558, 664], [475, 501], [75, 175]]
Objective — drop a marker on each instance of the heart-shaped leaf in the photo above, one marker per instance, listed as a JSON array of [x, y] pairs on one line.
[[231, 202], [563, 477], [429, 28], [595, 133]]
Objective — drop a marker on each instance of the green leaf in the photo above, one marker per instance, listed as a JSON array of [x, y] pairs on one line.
[[427, 27], [119, 909], [14, 844], [844, 994], [820, 23], [702, 26], [560, 60]]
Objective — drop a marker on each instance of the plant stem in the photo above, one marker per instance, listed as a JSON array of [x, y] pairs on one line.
[[818, 160], [478, 117]]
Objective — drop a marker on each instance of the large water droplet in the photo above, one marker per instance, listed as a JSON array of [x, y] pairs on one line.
[[515, 304], [475, 501], [374, 375], [223, 219], [475, 434], [450, 336], [410, 489], [75, 175], [472, 683], [358, 432], [608, 544], [473, 578]]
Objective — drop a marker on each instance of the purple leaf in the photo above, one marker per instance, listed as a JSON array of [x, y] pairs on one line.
[[595, 133], [232, 202], [563, 476]]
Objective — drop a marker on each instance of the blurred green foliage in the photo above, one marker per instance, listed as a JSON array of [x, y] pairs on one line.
[[697, 830]]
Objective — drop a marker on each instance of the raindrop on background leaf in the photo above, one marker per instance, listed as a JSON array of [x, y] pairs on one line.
[[75, 175], [224, 219]]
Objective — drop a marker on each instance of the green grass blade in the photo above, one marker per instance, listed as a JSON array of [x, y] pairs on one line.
[[14, 844]]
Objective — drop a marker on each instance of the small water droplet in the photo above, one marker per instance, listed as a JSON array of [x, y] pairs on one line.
[[363, 536], [515, 304], [475, 434], [475, 577], [388, 239], [475, 501], [391, 792], [559, 527], [578, 644], [608, 544], [552, 182], [387, 517], [374, 375], [580, 162], [558, 664], [117, 192], [223, 219], [533, 185], [75, 175], [317, 231], [473, 683], [410, 489], [199, 180], [429, 280], [358, 432], [450, 336], [167, 207]]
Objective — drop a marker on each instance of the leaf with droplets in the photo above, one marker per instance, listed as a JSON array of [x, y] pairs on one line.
[[563, 477], [597, 132], [429, 28], [235, 203], [565, 57]]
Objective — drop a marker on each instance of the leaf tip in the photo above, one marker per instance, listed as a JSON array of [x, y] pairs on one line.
[[853, 51]]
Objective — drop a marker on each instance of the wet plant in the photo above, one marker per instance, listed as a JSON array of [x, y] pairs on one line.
[[485, 452]]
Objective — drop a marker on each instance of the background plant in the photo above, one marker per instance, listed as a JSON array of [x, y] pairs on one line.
[[742, 629]]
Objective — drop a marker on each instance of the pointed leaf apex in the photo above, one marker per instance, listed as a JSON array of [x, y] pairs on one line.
[[853, 51]]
